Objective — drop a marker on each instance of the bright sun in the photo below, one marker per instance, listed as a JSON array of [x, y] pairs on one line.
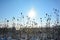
[[32, 13]]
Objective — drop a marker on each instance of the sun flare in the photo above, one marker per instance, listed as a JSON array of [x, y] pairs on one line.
[[32, 13]]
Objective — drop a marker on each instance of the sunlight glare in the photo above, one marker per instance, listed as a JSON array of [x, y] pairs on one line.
[[32, 13]]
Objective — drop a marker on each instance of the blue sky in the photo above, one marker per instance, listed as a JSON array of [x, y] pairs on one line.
[[10, 8]]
